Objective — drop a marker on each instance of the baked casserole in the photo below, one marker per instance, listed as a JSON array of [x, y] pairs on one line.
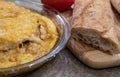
[[25, 35]]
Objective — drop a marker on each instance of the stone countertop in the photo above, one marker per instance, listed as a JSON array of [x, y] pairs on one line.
[[67, 65]]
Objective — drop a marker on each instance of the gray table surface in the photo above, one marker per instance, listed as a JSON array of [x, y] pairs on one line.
[[65, 64]]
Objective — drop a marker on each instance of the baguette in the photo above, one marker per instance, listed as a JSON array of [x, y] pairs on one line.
[[93, 23]]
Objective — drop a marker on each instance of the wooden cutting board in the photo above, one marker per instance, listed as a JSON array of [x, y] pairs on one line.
[[93, 57]]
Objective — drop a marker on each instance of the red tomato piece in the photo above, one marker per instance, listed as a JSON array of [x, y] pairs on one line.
[[60, 5]]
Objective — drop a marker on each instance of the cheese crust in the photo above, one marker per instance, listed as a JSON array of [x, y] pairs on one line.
[[24, 35]]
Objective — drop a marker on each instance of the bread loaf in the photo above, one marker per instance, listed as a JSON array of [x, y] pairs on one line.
[[93, 23]]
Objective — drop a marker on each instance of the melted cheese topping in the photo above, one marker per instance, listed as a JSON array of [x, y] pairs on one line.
[[17, 25]]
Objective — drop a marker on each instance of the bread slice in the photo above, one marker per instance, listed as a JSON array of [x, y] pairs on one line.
[[93, 23]]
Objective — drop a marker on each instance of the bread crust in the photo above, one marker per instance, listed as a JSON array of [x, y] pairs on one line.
[[96, 16], [116, 4]]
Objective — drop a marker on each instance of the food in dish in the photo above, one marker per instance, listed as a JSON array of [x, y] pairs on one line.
[[25, 35]]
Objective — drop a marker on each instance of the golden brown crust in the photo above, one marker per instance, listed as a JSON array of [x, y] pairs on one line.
[[25, 35], [97, 16], [93, 14]]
